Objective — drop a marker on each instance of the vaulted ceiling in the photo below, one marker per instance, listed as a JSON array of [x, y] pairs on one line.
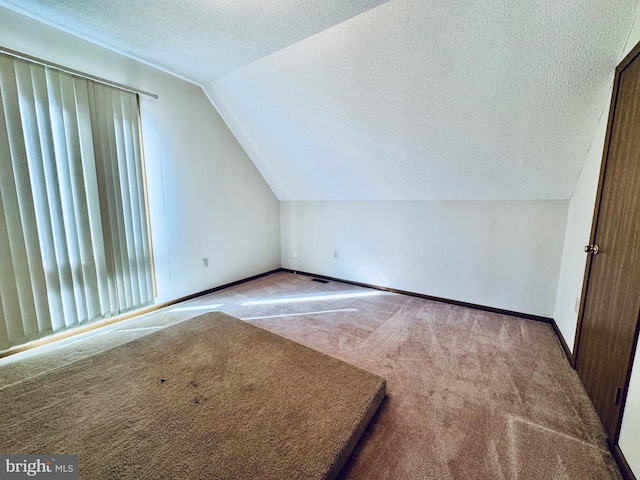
[[384, 100]]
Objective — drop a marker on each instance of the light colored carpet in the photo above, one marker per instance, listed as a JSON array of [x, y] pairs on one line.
[[470, 394], [213, 397]]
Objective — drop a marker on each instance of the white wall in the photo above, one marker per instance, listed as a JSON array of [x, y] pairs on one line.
[[206, 197], [630, 433], [579, 224], [502, 254]]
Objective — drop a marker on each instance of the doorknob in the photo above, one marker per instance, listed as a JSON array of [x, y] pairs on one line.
[[592, 249]]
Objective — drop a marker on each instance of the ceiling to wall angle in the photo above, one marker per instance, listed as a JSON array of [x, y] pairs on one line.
[[384, 100]]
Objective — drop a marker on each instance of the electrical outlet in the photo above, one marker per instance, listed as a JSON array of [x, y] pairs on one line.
[[335, 254], [205, 262], [295, 254]]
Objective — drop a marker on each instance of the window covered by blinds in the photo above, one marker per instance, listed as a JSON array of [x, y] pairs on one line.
[[74, 242]]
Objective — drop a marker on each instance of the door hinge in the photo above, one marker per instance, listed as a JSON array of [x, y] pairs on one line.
[[618, 396]]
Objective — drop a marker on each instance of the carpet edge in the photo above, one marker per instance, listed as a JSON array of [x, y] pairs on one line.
[[350, 443]]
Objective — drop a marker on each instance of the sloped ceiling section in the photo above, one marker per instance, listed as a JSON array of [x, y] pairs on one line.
[[198, 39], [384, 100], [438, 100]]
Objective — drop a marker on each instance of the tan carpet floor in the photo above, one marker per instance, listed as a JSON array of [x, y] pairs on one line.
[[470, 394], [213, 397]]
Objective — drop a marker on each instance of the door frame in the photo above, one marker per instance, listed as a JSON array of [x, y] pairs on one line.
[[634, 54]]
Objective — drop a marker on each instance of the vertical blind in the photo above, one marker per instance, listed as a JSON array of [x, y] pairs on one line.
[[74, 244]]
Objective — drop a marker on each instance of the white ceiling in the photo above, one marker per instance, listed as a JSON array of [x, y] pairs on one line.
[[375, 100], [198, 39]]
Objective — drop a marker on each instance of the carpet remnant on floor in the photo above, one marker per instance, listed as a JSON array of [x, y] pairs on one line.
[[212, 397]]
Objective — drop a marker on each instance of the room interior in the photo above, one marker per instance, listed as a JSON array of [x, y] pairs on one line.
[[469, 393], [448, 150]]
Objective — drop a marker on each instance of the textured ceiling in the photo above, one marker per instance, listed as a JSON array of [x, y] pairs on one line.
[[447, 99], [397, 100], [198, 39]]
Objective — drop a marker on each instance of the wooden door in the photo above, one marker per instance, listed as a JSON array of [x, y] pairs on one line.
[[608, 330]]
